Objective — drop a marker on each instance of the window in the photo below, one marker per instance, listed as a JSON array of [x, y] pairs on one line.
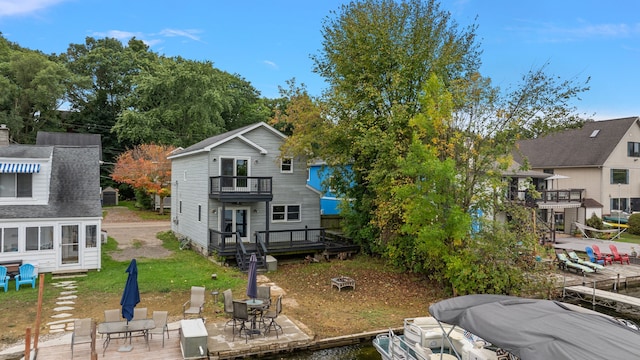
[[10, 240], [619, 176], [633, 149], [284, 213], [286, 165], [91, 236], [16, 185], [619, 204], [39, 238]]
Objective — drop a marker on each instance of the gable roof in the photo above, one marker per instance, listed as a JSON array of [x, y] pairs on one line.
[[74, 189], [63, 138], [207, 144], [588, 146]]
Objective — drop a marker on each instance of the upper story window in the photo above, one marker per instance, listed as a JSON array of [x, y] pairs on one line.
[[286, 165], [619, 176], [633, 149], [17, 185]]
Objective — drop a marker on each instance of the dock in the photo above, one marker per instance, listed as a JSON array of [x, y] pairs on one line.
[[612, 300]]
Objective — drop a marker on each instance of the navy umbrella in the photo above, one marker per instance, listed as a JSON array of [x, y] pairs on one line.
[[252, 285], [131, 294]]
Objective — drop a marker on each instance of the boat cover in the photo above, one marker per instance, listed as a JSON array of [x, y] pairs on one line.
[[540, 329]]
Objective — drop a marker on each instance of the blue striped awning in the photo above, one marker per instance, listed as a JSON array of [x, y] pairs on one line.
[[19, 168]]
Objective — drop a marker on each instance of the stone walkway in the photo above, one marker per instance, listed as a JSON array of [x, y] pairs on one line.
[[63, 317]]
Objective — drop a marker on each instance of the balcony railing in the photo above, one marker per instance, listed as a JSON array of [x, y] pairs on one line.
[[240, 188], [547, 196]]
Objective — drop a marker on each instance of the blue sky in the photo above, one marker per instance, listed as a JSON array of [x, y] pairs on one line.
[[269, 42]]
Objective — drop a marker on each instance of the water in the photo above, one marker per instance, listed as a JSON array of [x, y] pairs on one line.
[[350, 352]]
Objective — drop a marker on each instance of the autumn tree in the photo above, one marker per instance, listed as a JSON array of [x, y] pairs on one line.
[[146, 168]]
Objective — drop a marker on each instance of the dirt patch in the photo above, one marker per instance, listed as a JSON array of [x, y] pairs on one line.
[[136, 237]]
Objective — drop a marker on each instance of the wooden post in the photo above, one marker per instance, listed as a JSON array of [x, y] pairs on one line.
[[27, 344], [94, 354], [38, 311]]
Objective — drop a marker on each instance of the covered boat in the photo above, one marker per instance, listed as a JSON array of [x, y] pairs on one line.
[[540, 329]]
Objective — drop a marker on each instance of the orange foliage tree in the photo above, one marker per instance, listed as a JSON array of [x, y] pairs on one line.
[[147, 168]]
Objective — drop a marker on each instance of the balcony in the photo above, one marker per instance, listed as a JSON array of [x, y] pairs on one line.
[[549, 198], [240, 188]]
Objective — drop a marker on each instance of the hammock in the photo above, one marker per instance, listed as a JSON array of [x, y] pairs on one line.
[[584, 228]]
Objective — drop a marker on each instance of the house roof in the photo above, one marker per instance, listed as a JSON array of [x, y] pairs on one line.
[[207, 144], [588, 146], [74, 189], [63, 138]]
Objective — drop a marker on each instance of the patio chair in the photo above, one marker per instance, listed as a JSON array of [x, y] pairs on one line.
[[576, 259], [160, 319], [227, 296], [82, 332], [592, 256], [264, 294], [26, 276], [4, 279], [241, 318], [606, 257], [271, 316], [617, 256], [195, 305], [565, 264], [139, 313], [112, 315]]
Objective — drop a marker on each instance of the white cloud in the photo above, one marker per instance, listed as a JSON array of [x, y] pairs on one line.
[[271, 64], [188, 33], [24, 7]]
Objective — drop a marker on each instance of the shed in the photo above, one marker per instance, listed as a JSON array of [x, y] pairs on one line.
[[109, 196]]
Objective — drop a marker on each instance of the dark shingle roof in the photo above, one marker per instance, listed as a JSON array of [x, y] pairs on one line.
[[75, 182], [575, 147], [62, 138]]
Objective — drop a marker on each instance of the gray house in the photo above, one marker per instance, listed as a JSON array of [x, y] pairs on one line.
[[236, 189], [50, 213]]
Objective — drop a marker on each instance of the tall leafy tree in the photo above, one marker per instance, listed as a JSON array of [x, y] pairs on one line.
[[180, 102], [32, 90], [108, 68], [376, 56], [146, 168]]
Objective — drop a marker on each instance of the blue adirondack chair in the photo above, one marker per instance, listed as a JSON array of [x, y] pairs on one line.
[[4, 279], [26, 276], [592, 256]]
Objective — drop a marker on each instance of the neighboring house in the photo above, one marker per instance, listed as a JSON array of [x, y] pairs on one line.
[[319, 173], [50, 213], [597, 165], [238, 184]]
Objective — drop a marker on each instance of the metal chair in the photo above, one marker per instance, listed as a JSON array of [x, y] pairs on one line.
[[82, 332], [195, 304], [160, 319], [264, 294], [241, 317], [272, 315]]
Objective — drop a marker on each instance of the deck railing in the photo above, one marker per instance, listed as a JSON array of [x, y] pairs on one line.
[[241, 187]]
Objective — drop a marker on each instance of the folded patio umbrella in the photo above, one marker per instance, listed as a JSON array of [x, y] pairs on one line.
[[252, 284], [131, 294]]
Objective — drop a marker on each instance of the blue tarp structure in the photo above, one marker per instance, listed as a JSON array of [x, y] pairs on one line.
[[131, 294], [252, 284]]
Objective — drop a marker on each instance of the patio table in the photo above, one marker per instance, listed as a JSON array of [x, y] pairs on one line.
[[124, 327]]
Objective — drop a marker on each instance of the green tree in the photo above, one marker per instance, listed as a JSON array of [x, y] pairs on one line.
[[107, 68], [180, 102], [32, 89]]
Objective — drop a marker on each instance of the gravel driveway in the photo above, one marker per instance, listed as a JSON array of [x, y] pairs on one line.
[[136, 238]]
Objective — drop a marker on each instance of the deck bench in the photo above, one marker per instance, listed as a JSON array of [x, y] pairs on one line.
[[13, 267]]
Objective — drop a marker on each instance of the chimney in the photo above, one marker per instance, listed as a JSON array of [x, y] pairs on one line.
[[4, 135]]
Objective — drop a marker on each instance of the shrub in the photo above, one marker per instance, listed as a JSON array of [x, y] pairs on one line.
[[595, 222], [634, 224]]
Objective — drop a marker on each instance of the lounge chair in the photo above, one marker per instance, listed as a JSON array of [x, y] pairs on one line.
[[565, 264], [576, 259], [600, 255], [592, 256], [26, 276], [617, 256]]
